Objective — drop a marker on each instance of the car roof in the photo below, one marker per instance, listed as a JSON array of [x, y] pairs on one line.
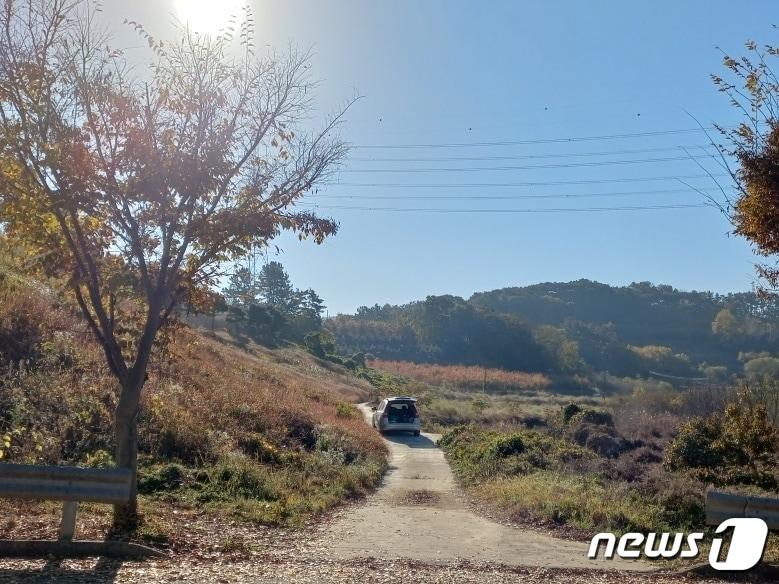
[[400, 397]]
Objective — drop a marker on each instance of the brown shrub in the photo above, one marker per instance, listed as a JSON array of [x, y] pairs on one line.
[[605, 445], [27, 320], [240, 399]]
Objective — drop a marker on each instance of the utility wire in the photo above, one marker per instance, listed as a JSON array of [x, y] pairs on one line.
[[525, 184], [514, 197], [540, 210], [536, 141], [530, 167], [702, 147]]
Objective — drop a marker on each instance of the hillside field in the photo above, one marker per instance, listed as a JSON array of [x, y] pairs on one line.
[[242, 433]]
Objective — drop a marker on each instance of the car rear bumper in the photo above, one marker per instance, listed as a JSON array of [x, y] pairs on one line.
[[389, 427]]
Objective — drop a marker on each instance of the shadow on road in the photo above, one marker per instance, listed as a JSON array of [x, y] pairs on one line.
[[104, 571], [409, 440]]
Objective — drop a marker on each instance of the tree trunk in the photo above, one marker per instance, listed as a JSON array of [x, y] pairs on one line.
[[126, 421], [126, 429]]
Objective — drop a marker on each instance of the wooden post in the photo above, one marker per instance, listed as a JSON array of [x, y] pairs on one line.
[[68, 526]]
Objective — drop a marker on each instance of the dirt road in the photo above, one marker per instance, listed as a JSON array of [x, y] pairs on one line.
[[418, 514]]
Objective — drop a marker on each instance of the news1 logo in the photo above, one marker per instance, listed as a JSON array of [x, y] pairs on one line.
[[746, 545]]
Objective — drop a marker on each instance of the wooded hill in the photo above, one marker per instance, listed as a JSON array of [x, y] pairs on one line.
[[576, 327]]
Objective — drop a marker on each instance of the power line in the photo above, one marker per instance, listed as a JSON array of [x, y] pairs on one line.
[[537, 156], [539, 210], [536, 141], [516, 197], [530, 167], [526, 184]]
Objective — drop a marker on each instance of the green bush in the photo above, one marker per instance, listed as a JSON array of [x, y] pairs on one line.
[[738, 446], [570, 411], [450, 437], [479, 405], [320, 343], [99, 459], [236, 477], [593, 416], [682, 508], [168, 477], [476, 453], [334, 446], [344, 410], [695, 445], [507, 445], [259, 447]]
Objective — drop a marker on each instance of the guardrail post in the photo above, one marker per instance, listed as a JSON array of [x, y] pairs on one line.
[[68, 526]]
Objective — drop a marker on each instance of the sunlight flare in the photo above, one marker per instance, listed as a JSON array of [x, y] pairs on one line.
[[209, 16]]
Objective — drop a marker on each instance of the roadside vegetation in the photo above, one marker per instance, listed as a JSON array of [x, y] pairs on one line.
[[629, 466], [265, 436], [637, 457]]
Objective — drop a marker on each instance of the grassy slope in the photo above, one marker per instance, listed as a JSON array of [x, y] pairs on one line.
[[538, 478], [265, 436], [546, 477]]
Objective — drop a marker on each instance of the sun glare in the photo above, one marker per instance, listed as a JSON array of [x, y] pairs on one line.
[[209, 16]]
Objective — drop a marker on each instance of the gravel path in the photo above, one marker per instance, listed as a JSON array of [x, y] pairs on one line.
[[417, 514], [264, 569]]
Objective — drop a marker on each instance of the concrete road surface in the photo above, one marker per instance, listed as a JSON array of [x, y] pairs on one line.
[[417, 514]]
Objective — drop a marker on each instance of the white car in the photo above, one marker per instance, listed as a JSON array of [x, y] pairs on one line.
[[397, 414]]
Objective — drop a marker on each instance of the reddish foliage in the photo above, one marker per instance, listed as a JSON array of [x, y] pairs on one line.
[[464, 376]]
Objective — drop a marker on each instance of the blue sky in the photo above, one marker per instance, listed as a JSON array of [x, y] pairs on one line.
[[443, 72]]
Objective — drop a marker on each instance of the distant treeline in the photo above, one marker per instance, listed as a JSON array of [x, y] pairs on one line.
[[576, 327]]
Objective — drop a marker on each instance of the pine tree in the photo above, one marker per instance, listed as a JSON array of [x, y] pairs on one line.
[[241, 290], [274, 287], [312, 305]]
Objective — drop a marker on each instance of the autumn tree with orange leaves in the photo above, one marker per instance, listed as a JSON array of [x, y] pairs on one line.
[[752, 85], [138, 184]]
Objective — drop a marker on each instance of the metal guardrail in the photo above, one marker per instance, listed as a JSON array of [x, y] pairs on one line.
[[721, 506], [71, 485], [64, 483]]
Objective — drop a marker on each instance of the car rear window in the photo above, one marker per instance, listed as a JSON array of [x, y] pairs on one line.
[[403, 407]]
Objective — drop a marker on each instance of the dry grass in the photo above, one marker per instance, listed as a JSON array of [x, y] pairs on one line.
[[465, 377], [238, 392], [584, 502], [266, 436], [443, 409]]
